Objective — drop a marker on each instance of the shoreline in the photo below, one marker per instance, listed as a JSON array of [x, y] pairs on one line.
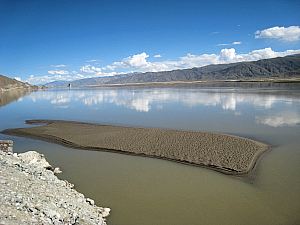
[[31, 193], [185, 155], [195, 82], [169, 83]]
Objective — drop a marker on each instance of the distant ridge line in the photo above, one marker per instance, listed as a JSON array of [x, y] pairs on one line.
[[280, 68]]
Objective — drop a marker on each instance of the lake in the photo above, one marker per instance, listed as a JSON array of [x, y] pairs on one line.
[[147, 191]]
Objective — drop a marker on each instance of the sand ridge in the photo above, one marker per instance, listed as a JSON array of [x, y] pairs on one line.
[[225, 153]]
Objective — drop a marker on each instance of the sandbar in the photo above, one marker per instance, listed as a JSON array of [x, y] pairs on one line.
[[221, 152]]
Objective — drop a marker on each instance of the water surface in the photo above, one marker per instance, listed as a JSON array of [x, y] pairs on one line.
[[151, 191]]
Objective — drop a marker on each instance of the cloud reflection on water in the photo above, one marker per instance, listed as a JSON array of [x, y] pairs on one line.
[[280, 119], [143, 100]]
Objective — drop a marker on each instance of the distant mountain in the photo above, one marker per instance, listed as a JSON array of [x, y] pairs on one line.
[[281, 67], [8, 84], [59, 83]]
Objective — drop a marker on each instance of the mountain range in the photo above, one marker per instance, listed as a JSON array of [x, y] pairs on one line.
[[12, 89], [8, 84], [275, 68]]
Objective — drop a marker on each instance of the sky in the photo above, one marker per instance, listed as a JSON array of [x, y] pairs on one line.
[[43, 41]]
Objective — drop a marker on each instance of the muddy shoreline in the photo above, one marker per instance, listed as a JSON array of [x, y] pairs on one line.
[[224, 153]]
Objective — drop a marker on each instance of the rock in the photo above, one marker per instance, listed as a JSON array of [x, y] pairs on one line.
[[6, 146], [32, 194], [105, 212], [52, 214], [35, 159], [68, 184], [90, 201], [57, 170]]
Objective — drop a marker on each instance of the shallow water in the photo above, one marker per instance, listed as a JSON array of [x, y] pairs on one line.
[[145, 191]]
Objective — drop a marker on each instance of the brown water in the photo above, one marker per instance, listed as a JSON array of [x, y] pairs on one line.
[[145, 191]]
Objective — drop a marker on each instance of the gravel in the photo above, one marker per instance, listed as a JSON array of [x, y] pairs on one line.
[[30, 193]]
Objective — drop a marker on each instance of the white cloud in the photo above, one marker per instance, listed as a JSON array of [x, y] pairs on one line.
[[33, 79], [229, 55], [157, 56], [267, 53], [18, 78], [233, 43], [139, 62], [90, 69], [59, 72], [74, 75], [288, 34], [58, 66]]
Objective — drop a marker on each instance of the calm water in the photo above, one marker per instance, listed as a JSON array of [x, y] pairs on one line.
[[144, 191]]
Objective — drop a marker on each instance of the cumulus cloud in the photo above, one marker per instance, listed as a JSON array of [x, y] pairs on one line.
[[137, 60], [59, 72], [140, 63], [288, 34], [232, 43], [229, 55], [157, 56]]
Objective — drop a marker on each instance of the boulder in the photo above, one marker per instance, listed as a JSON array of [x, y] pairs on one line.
[[35, 159]]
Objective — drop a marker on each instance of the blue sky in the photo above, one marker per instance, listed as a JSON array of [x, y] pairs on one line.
[[42, 41]]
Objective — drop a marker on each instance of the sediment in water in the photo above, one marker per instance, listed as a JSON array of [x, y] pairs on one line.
[[224, 153]]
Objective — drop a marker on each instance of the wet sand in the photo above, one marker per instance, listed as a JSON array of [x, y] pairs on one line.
[[224, 153]]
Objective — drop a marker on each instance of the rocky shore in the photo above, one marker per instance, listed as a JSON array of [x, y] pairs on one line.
[[30, 193]]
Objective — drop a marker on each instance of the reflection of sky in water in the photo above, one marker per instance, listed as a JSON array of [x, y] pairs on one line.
[[234, 110], [279, 109], [280, 119]]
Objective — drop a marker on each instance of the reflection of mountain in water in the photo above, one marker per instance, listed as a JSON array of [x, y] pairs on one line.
[[11, 89], [13, 95]]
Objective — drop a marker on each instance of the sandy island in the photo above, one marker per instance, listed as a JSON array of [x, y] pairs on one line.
[[224, 153]]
